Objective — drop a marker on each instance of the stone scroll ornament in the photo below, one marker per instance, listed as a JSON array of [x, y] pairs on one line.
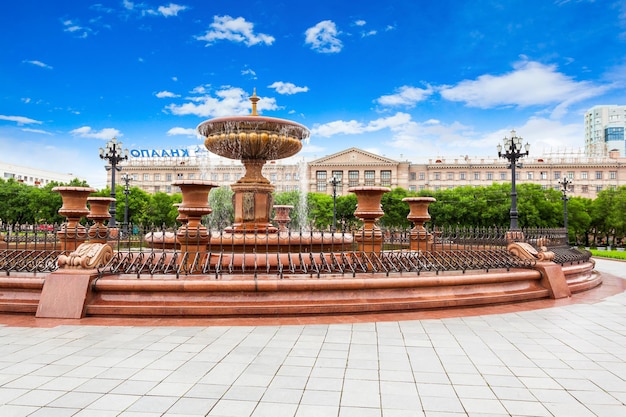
[[87, 256], [527, 251]]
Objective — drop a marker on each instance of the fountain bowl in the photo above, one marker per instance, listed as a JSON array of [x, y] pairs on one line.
[[253, 137]]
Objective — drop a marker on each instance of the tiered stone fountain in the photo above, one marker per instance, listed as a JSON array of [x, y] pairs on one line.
[[254, 140]]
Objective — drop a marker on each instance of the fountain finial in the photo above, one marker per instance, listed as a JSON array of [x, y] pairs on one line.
[[254, 100]]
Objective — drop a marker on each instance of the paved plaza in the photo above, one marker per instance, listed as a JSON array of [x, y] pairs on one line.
[[560, 358]]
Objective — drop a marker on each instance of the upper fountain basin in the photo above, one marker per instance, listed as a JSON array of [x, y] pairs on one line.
[[253, 137]]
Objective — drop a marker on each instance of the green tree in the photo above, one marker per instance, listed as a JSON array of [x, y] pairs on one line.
[[221, 202], [395, 209]]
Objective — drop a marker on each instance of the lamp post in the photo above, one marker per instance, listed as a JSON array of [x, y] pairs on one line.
[[334, 181], [513, 152], [114, 154], [127, 179], [565, 188]]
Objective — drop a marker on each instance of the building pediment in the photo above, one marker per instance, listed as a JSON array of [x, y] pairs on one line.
[[354, 156]]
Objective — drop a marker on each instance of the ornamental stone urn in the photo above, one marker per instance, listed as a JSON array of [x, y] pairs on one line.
[[98, 212], [418, 215], [72, 233], [281, 216], [369, 238], [192, 235]]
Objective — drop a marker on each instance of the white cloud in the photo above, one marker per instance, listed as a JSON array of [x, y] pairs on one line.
[[529, 84], [105, 134], [227, 102], [323, 37], [360, 23], [405, 96], [171, 9], [235, 30], [249, 72], [20, 120], [352, 127], [166, 94], [368, 33], [287, 88], [129, 5], [38, 64], [40, 131], [182, 131], [76, 29]]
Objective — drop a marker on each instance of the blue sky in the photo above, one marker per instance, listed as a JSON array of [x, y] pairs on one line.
[[407, 79]]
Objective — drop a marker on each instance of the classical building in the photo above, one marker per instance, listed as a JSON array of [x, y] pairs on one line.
[[589, 175], [33, 176], [604, 130], [354, 167]]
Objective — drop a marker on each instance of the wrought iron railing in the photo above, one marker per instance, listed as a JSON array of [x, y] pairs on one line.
[[36, 249]]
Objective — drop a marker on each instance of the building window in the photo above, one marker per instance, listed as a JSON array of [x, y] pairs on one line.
[[450, 176], [214, 176], [146, 177], [157, 177], [168, 178], [584, 175], [412, 176], [179, 176], [570, 175], [437, 176], [273, 177], [422, 187], [226, 177], [422, 176], [517, 175], [529, 175], [490, 176], [503, 176], [598, 188], [598, 175], [339, 176], [613, 175], [370, 177], [462, 176], [288, 177], [168, 188], [477, 176], [557, 175], [237, 176], [412, 188], [385, 178], [192, 176], [585, 188], [544, 175], [321, 181], [353, 178]]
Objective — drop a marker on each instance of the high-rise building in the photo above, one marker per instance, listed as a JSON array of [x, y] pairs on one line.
[[604, 130]]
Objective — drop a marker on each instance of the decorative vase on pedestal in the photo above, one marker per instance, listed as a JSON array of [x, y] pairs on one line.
[[281, 216], [418, 215], [99, 212], [192, 235], [72, 233], [369, 210]]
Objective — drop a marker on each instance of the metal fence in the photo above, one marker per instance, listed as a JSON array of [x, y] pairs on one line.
[[156, 251]]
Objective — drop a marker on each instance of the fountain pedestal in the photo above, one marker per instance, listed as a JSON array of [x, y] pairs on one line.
[[418, 215], [369, 238]]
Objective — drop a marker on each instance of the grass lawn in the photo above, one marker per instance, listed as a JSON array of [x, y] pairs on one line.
[[612, 254]]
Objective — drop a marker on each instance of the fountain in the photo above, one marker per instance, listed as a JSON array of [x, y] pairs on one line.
[[254, 140], [253, 268]]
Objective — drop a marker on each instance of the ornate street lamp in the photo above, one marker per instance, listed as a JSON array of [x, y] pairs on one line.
[[566, 186], [114, 154], [334, 181], [127, 179], [513, 152]]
